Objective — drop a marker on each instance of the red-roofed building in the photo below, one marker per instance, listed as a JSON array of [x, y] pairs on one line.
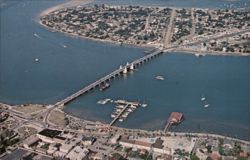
[[175, 117], [215, 156]]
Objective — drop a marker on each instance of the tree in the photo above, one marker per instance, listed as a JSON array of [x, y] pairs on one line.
[[209, 158], [194, 157], [209, 148]]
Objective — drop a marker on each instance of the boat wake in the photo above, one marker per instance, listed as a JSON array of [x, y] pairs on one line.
[[37, 36]]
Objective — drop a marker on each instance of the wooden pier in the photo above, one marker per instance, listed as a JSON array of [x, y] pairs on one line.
[[167, 126], [118, 116]]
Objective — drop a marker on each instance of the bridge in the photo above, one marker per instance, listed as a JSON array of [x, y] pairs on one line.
[[122, 70]]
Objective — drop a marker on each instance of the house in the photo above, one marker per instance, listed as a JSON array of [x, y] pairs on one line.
[[88, 140], [30, 141], [77, 153]]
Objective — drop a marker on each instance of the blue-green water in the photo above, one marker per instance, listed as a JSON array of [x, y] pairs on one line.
[[225, 81]]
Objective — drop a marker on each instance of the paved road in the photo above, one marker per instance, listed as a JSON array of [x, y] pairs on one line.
[[169, 28]]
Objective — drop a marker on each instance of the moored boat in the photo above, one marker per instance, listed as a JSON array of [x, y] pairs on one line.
[[159, 78], [104, 87], [206, 105]]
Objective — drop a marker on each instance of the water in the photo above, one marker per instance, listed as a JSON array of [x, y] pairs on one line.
[[224, 81], [61, 71]]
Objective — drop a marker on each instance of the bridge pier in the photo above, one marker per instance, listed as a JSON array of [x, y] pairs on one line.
[[132, 67], [125, 70]]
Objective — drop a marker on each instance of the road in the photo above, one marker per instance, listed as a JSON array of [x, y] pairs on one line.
[[215, 37], [169, 28]]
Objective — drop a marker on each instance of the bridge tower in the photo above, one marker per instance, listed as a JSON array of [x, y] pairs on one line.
[[125, 70], [132, 67]]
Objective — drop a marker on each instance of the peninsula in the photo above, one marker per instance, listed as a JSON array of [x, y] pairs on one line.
[[204, 31]]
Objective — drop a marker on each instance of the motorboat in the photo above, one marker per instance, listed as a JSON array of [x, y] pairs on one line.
[[159, 78]]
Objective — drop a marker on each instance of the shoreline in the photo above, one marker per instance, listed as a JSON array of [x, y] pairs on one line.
[[198, 134], [97, 40], [66, 4], [155, 46], [212, 53], [158, 131], [180, 50]]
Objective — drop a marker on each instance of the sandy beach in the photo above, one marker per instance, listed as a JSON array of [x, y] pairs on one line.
[[68, 3]]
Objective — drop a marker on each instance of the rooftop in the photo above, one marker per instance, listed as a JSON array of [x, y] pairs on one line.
[[176, 117], [50, 133]]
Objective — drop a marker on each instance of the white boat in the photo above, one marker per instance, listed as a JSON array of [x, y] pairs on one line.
[[203, 98], [132, 106], [112, 116], [36, 35], [36, 60], [120, 120], [120, 106], [206, 105], [144, 105], [101, 102], [118, 110], [130, 110], [106, 100], [197, 55], [159, 78], [125, 115]]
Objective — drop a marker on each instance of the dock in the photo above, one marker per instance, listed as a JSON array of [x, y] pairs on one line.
[[118, 116], [174, 118], [167, 126]]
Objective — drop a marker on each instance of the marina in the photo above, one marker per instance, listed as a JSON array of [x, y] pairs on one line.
[[123, 108]]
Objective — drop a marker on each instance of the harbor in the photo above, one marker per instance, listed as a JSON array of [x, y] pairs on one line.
[[186, 77], [122, 110]]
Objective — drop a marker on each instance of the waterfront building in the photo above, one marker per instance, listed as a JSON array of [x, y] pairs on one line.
[[47, 135], [77, 153]]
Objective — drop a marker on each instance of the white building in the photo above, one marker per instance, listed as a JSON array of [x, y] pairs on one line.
[[66, 147], [115, 138], [29, 141], [77, 153]]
